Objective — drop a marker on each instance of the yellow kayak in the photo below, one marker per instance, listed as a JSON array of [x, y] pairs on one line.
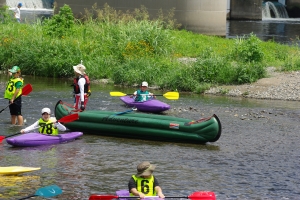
[[15, 170]]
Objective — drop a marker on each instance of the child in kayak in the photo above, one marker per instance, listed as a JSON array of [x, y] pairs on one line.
[[47, 125], [143, 94], [144, 183]]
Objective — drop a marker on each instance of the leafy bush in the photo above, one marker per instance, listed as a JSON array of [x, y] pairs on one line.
[[6, 15], [248, 50], [61, 24]]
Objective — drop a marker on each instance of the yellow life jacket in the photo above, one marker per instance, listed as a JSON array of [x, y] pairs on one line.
[[11, 88], [47, 127], [144, 185]]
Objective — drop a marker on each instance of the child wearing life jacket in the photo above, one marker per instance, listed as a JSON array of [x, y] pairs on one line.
[[46, 124], [143, 183], [143, 94]]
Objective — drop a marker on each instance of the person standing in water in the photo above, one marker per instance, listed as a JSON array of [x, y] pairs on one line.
[[81, 86], [13, 93]]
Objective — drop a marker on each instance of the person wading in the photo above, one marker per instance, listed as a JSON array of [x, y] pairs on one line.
[[13, 93], [81, 87]]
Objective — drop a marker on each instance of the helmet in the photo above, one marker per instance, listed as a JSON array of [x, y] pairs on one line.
[[46, 110]]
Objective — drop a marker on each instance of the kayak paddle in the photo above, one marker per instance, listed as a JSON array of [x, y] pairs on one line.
[[25, 91], [168, 95], [46, 192], [127, 111], [199, 195], [65, 119]]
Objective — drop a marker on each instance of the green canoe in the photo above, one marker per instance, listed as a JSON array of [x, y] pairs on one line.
[[142, 125]]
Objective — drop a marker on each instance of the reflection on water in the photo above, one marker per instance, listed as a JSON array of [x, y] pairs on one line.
[[255, 158], [285, 31], [19, 185]]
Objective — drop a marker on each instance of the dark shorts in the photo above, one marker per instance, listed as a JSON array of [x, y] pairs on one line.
[[15, 108]]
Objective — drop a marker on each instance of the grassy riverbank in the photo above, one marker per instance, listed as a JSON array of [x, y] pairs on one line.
[[128, 48]]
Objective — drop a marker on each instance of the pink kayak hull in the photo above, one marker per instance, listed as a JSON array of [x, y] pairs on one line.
[[153, 105], [37, 139]]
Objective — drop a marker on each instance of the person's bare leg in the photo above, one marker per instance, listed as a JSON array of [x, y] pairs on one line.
[[20, 120], [13, 119]]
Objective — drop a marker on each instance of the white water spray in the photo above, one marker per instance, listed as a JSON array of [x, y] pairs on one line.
[[274, 10]]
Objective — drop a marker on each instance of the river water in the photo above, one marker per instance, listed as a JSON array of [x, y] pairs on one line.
[[256, 157], [284, 31]]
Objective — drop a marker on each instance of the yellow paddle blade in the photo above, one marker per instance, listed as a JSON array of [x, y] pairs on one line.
[[117, 94], [171, 95], [168, 95]]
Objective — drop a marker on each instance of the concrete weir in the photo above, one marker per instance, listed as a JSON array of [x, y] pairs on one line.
[[201, 16], [246, 9]]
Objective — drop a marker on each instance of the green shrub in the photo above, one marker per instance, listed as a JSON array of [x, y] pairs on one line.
[[249, 72], [248, 50], [61, 24], [6, 15]]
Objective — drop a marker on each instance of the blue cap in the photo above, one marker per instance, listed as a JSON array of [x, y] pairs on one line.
[[20, 4]]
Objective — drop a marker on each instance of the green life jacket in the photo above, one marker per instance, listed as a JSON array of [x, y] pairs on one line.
[[11, 88], [144, 185], [47, 127], [142, 96]]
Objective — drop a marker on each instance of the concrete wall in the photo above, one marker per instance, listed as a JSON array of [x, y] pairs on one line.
[[246, 9], [201, 16], [2, 3], [293, 8]]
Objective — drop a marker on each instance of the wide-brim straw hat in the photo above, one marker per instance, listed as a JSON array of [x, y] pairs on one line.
[[145, 169], [80, 68]]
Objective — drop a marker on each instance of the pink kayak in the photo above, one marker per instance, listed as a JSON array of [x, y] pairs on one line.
[[152, 105], [37, 139]]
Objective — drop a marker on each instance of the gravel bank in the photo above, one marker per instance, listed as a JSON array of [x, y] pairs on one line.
[[278, 86]]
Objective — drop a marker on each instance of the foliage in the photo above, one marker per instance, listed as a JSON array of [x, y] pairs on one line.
[[128, 48], [6, 15], [61, 24], [248, 50]]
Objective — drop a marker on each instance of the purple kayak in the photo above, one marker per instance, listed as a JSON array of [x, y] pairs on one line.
[[37, 139], [152, 105]]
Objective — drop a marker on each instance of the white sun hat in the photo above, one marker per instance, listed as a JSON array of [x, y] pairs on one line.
[[145, 84], [46, 110]]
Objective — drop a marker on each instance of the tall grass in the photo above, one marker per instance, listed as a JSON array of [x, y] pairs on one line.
[[128, 48]]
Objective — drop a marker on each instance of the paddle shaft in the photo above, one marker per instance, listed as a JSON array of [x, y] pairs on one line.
[[26, 90], [170, 197], [99, 197], [168, 95], [199, 195], [9, 104], [34, 195]]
